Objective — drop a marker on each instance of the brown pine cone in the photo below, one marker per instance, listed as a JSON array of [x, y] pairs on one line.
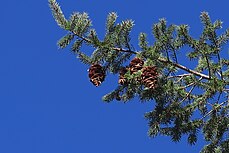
[[149, 77], [135, 65], [96, 74], [122, 80]]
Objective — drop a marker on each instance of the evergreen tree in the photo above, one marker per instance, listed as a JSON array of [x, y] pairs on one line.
[[187, 101]]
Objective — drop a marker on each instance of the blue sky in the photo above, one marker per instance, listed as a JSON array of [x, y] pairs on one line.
[[48, 105]]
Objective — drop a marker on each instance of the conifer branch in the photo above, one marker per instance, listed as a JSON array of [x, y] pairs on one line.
[[82, 37], [211, 111], [216, 44], [169, 62], [185, 68], [179, 76], [124, 50], [160, 59], [209, 69], [220, 63], [188, 94], [182, 76], [58, 14], [190, 91], [189, 85], [174, 53]]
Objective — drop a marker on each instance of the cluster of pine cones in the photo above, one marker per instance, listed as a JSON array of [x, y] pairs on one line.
[[148, 77]]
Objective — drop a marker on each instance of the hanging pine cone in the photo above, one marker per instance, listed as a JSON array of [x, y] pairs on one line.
[[122, 80], [135, 65], [96, 74], [149, 76]]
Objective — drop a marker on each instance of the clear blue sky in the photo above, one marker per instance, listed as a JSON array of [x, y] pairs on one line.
[[48, 105]]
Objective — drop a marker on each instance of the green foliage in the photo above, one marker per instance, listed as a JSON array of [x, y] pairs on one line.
[[65, 41], [187, 101], [79, 23], [58, 14], [143, 41], [110, 24]]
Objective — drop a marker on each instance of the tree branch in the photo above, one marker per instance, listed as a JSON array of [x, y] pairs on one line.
[[190, 91], [211, 111], [169, 62], [179, 76], [124, 50], [160, 59], [185, 68], [209, 70]]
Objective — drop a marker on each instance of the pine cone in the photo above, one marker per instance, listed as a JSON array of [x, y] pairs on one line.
[[135, 65], [149, 77], [96, 74], [122, 80]]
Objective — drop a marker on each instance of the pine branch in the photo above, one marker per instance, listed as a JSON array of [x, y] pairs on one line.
[[190, 91], [185, 68], [188, 94], [123, 50], [179, 76], [209, 70], [211, 111], [58, 14], [160, 59], [219, 60], [216, 44], [65, 41], [174, 52], [169, 62], [189, 85]]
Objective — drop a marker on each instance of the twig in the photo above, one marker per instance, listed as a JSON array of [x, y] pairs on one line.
[[123, 50], [187, 85], [82, 37], [211, 111], [219, 96], [179, 79], [219, 74], [190, 91], [215, 42], [209, 70], [219, 60], [174, 52], [179, 76], [185, 68], [226, 91]]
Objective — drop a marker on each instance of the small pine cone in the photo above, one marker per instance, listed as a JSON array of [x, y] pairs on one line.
[[149, 77], [135, 65], [96, 74], [122, 80]]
